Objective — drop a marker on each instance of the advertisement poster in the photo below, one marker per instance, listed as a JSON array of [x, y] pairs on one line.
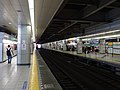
[[116, 47]]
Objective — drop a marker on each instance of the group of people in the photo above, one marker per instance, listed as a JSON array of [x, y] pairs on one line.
[[88, 50]]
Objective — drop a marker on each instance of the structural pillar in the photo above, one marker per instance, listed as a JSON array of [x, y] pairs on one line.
[[24, 42], [64, 46], [102, 46], [79, 46]]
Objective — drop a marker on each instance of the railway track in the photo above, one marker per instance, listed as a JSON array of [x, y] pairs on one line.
[[66, 82], [76, 75]]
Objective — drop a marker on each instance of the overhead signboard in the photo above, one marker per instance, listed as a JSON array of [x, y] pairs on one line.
[[110, 43]]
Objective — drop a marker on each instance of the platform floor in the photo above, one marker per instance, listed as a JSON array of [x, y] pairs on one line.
[[102, 57], [46, 78], [13, 77]]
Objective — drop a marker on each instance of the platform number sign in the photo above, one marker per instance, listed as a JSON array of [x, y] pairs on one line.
[[23, 45]]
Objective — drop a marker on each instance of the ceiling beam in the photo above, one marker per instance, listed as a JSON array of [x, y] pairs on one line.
[[81, 21], [86, 20], [113, 14], [86, 2], [74, 30], [115, 5], [63, 29], [82, 16], [89, 10], [67, 27]]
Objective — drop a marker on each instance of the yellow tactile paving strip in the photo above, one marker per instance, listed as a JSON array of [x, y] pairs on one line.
[[34, 83]]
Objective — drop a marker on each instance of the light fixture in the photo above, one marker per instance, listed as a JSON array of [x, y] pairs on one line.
[[9, 41], [31, 8], [10, 23], [103, 33], [102, 37]]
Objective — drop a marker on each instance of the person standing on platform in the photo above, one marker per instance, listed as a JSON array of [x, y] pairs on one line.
[[9, 53], [106, 52]]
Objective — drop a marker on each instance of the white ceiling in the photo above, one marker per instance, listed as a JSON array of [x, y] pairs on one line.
[[8, 13], [44, 12]]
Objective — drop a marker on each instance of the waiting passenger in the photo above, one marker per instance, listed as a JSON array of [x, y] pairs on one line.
[[96, 50], [9, 54], [106, 52]]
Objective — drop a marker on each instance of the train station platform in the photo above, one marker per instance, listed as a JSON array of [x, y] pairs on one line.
[[13, 76], [111, 62], [100, 57], [103, 57], [36, 76], [86, 75], [47, 80]]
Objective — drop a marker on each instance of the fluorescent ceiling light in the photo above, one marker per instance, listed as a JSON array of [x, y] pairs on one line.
[[10, 23], [31, 4], [72, 38], [102, 37], [114, 31], [9, 41], [31, 8], [89, 37]]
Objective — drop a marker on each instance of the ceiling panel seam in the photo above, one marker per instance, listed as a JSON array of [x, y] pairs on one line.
[[7, 13], [14, 10], [22, 11]]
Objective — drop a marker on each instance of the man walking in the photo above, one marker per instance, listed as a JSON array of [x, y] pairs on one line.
[[9, 50]]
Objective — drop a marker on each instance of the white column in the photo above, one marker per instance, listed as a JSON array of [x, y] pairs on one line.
[[1, 46], [102, 46], [79, 46], [24, 42], [64, 46]]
